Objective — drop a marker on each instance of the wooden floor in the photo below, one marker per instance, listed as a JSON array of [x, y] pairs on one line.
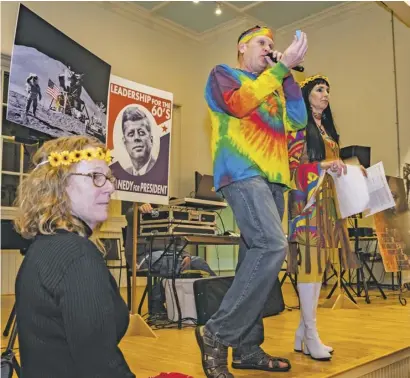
[[358, 337]]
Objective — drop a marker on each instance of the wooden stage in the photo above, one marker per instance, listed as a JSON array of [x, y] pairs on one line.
[[375, 336]]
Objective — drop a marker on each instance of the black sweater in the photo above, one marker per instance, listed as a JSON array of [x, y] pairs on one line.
[[70, 315]]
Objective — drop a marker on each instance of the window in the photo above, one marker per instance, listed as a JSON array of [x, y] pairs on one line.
[[15, 155]]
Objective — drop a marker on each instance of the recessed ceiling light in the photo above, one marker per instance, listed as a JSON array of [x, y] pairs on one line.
[[218, 10]]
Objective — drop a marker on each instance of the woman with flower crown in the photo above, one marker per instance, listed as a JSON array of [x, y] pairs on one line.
[[70, 314], [315, 233]]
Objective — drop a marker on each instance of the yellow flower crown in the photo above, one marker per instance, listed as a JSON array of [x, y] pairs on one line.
[[312, 78], [69, 157]]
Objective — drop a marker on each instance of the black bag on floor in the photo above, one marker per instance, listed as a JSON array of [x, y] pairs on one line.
[[209, 293]]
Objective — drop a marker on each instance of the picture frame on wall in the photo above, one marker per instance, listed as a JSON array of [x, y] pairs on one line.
[[57, 86]]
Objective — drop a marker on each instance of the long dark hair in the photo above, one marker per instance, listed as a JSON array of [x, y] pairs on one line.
[[315, 144]]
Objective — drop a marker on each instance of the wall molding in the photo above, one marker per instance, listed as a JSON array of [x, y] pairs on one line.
[[8, 213], [113, 224], [328, 16], [141, 16], [153, 21], [5, 61]]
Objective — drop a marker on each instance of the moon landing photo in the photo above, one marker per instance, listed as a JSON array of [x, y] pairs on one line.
[[56, 85]]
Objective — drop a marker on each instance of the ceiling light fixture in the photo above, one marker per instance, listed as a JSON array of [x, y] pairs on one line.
[[196, 1], [218, 10]]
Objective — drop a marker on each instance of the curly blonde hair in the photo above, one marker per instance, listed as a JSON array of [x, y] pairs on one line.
[[42, 200]]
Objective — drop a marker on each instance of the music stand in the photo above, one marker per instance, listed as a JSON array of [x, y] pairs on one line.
[[8, 356], [344, 299], [293, 281], [364, 265], [12, 240]]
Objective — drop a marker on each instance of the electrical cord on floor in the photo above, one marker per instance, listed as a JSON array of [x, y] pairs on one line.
[[170, 324], [162, 321]]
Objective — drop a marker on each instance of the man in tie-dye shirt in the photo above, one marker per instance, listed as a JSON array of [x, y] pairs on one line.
[[252, 109]]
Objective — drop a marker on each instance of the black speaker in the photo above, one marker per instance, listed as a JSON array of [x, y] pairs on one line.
[[209, 293], [361, 152]]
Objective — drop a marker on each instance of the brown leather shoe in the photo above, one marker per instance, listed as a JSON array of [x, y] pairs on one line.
[[214, 356], [262, 361]]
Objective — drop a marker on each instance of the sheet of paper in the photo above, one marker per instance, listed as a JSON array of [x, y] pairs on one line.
[[352, 191], [379, 191]]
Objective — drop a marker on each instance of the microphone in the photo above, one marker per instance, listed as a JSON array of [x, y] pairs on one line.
[[274, 60]]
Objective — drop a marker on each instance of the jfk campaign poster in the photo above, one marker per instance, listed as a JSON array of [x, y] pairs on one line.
[[139, 135]]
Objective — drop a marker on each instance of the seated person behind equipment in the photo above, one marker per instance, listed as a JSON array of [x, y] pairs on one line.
[[164, 265]]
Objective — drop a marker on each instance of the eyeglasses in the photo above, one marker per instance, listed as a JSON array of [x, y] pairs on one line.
[[99, 179]]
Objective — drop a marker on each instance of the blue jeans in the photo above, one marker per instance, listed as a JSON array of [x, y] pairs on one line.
[[258, 208]]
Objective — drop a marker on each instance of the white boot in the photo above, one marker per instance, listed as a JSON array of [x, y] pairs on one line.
[[318, 288], [301, 329], [311, 342], [298, 345]]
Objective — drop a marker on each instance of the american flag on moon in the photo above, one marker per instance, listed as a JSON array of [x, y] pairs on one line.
[[52, 89]]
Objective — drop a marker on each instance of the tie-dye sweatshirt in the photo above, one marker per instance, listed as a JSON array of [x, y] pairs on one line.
[[251, 116]]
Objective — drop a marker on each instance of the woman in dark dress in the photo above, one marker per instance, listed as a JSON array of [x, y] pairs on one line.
[[70, 315]]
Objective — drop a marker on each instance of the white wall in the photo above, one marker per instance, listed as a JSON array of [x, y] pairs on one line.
[[402, 39], [354, 49]]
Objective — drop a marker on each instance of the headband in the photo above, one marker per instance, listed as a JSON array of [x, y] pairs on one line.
[[255, 32], [66, 158], [313, 78]]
